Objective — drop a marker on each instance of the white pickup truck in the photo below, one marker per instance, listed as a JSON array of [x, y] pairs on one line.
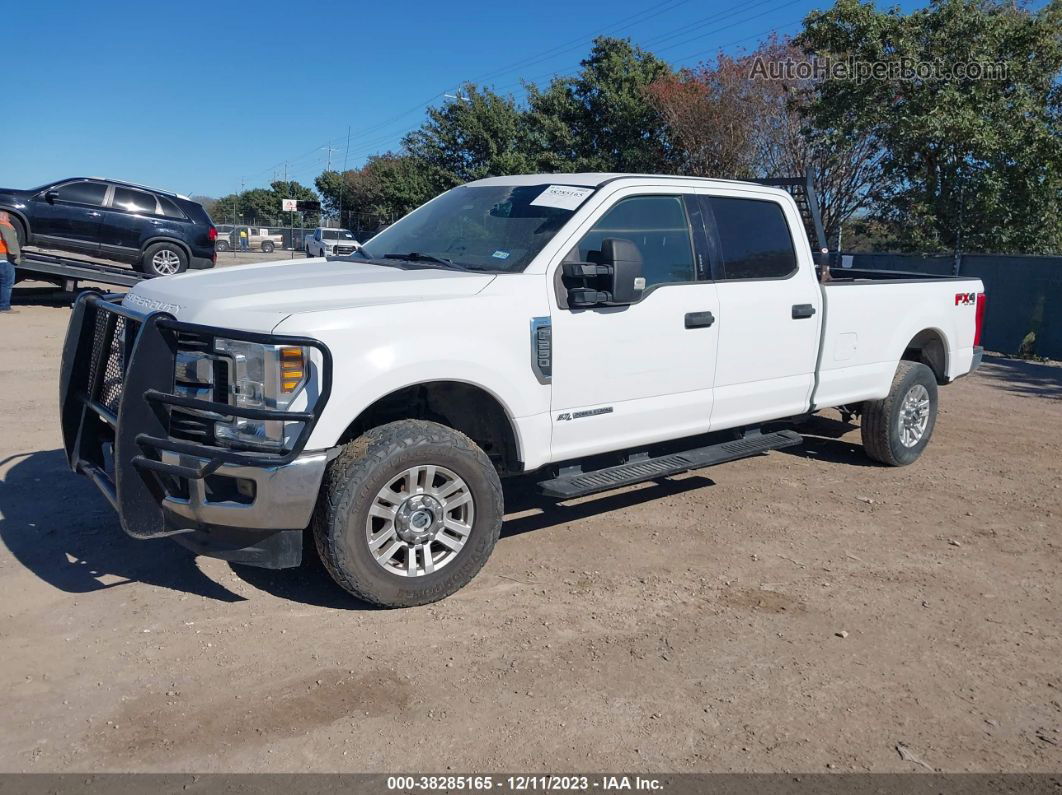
[[327, 241], [587, 330]]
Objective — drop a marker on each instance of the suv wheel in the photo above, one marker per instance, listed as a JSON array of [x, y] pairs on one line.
[[164, 259], [408, 513], [267, 247]]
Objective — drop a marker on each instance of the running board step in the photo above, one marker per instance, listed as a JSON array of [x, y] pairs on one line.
[[580, 483]]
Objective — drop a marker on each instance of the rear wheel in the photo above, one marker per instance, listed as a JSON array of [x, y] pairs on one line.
[[267, 247], [408, 513], [897, 428], [222, 245], [164, 259]]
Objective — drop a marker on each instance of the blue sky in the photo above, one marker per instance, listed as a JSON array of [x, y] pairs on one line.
[[195, 97]]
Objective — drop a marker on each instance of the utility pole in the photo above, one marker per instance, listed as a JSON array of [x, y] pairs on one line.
[[343, 179], [291, 216], [330, 149]]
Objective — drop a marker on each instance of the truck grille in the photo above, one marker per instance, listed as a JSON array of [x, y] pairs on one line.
[[111, 342], [344, 249]]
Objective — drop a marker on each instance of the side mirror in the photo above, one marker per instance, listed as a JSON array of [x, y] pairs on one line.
[[614, 280], [625, 260], [51, 195]]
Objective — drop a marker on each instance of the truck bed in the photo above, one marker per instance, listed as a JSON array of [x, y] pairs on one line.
[[876, 276], [871, 318]]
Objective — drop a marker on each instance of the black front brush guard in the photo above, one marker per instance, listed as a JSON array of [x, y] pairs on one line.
[[107, 344]]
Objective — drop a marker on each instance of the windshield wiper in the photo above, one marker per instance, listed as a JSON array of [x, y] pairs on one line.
[[416, 256]]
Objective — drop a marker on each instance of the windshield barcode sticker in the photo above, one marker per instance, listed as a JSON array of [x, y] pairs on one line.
[[564, 197]]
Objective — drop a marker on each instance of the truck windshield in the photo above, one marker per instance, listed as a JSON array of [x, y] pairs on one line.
[[338, 234], [485, 227]]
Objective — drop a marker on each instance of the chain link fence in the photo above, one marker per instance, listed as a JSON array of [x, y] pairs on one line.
[[269, 235]]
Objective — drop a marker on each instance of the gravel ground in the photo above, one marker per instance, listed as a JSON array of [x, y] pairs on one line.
[[801, 611]]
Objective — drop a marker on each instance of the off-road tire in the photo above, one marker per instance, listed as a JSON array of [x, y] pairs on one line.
[[881, 418], [353, 480], [145, 265]]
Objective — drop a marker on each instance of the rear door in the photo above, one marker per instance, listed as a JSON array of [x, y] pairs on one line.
[[769, 305], [629, 375], [126, 221], [72, 219]]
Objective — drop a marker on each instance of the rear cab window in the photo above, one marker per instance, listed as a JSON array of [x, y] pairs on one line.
[[754, 239]]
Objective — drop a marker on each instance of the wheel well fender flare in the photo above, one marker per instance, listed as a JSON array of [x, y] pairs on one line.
[[465, 406], [166, 239], [21, 218], [930, 347]]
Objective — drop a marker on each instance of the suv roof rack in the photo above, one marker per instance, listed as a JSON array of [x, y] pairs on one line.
[[137, 185]]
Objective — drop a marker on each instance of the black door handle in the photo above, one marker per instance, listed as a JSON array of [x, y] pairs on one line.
[[802, 311], [699, 319]]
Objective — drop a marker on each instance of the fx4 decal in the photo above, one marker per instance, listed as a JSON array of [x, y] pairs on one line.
[[965, 299]]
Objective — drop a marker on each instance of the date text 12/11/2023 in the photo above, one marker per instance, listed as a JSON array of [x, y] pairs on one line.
[[528, 783]]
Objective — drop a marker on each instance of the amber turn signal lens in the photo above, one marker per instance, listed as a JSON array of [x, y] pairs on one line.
[[292, 368]]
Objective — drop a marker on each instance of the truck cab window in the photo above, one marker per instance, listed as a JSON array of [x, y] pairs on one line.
[[657, 225], [754, 237]]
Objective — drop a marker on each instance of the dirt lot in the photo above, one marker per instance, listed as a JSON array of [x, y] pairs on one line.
[[801, 611]]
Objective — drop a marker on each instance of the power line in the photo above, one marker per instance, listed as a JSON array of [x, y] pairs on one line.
[[638, 18]]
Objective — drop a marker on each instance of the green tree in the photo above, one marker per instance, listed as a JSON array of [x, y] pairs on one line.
[[262, 206], [478, 134], [387, 187], [969, 163], [601, 119]]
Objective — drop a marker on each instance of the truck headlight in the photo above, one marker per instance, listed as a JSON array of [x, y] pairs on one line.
[[262, 377]]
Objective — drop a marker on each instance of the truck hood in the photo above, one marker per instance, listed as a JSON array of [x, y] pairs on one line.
[[258, 297]]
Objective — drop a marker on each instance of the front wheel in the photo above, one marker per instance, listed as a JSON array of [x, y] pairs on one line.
[[408, 513], [897, 428]]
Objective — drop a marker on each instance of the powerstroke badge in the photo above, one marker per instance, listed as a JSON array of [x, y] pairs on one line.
[[578, 415]]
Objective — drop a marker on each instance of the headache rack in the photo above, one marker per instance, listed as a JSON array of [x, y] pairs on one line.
[[121, 413]]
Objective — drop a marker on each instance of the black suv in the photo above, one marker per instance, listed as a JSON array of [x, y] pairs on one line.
[[159, 233]]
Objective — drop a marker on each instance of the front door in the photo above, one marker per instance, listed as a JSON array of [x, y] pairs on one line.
[[71, 220], [630, 375]]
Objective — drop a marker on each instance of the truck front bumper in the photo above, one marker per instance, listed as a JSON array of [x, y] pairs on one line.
[[253, 515], [166, 475]]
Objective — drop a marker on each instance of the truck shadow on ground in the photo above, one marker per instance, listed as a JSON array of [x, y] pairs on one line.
[[1023, 377], [311, 584], [823, 442], [59, 527]]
